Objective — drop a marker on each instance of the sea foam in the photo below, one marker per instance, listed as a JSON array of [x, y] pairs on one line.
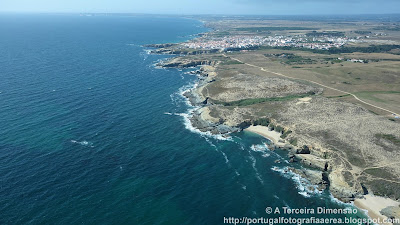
[[83, 143], [304, 187]]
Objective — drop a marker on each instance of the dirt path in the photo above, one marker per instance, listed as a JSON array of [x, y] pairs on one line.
[[314, 82], [335, 89], [381, 166]]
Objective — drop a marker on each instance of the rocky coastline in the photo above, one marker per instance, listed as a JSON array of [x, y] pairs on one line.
[[319, 164], [202, 121], [206, 74], [175, 49]]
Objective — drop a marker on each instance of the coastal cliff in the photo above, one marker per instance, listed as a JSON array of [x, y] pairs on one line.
[[338, 143], [176, 49], [222, 113]]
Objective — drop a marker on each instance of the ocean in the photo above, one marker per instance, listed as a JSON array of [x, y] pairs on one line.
[[92, 133]]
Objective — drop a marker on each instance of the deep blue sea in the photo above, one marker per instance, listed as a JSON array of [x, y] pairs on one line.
[[92, 133]]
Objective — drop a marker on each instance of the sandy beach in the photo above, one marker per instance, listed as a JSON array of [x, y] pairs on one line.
[[374, 204], [274, 136]]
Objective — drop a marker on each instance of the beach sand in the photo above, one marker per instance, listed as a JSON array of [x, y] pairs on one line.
[[274, 136], [205, 115], [374, 204]]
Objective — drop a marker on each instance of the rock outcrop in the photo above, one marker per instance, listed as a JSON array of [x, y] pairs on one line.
[[184, 63], [304, 150]]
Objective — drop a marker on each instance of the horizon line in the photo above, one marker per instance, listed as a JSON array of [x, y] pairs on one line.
[[199, 14]]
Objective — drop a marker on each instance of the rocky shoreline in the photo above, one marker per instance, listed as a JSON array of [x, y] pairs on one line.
[[175, 49], [319, 166], [205, 74], [201, 120]]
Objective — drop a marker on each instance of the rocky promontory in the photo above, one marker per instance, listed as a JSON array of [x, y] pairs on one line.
[[184, 63]]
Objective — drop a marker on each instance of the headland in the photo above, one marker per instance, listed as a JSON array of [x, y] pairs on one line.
[[327, 92]]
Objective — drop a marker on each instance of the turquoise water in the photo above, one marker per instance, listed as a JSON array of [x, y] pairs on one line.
[[92, 133]]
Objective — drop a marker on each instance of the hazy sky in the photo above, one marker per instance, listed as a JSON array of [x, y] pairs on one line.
[[259, 7]]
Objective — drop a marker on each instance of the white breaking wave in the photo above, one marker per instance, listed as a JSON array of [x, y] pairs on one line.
[[178, 97], [226, 158], [337, 201], [188, 125], [83, 143], [304, 187], [259, 148], [263, 148], [265, 155], [212, 144], [155, 66], [147, 51], [216, 149], [253, 164]]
